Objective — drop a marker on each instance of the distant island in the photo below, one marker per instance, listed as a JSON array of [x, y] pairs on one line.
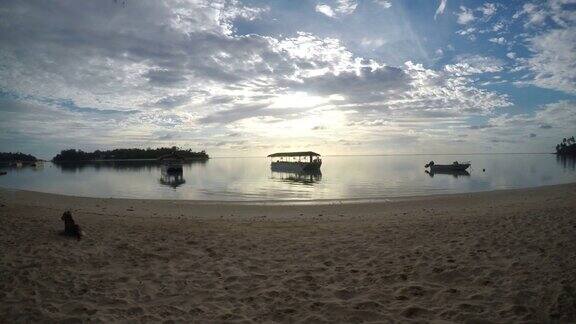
[[567, 147], [73, 155], [10, 157]]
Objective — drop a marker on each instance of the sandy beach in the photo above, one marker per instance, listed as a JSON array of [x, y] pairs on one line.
[[491, 257]]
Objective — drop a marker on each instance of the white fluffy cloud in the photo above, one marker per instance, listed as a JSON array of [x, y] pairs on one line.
[[554, 59], [338, 9], [326, 10], [465, 16], [474, 64], [488, 9]]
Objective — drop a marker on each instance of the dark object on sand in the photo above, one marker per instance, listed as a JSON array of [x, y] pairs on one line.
[[70, 227]]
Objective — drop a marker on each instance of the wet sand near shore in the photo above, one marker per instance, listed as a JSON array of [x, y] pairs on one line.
[[491, 257]]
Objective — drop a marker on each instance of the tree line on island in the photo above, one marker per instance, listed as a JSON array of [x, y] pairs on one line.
[[567, 147], [7, 157], [73, 155]]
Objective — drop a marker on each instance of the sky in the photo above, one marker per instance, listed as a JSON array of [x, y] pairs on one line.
[[248, 78]]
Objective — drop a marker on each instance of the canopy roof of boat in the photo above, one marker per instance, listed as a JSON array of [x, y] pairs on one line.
[[308, 153]]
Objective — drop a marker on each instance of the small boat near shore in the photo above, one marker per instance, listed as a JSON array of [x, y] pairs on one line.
[[455, 166], [454, 173], [295, 161]]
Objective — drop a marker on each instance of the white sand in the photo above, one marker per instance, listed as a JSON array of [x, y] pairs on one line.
[[495, 257]]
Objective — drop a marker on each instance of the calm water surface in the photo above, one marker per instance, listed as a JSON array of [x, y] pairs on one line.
[[342, 177]]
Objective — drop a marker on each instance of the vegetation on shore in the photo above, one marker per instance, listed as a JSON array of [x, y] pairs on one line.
[[73, 155], [7, 157], [567, 147]]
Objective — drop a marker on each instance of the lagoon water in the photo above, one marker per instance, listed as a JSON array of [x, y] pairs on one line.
[[250, 179]]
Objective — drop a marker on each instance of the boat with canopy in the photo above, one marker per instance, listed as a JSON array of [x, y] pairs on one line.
[[171, 163], [295, 161]]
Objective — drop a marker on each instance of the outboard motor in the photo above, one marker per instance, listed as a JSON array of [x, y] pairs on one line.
[[431, 163]]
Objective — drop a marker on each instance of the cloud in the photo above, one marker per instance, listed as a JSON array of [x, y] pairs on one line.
[[488, 9], [386, 4], [535, 14], [164, 77], [240, 112], [326, 10], [469, 32], [357, 85], [554, 62], [465, 16], [498, 26], [554, 12], [441, 8], [474, 64], [498, 40], [346, 7], [340, 9], [550, 122], [188, 72]]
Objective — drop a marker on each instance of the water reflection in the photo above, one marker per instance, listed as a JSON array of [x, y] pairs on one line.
[[172, 179], [454, 173], [342, 177], [566, 161], [35, 166], [302, 177], [134, 165]]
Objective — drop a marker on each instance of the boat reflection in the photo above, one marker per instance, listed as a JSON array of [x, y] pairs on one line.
[[302, 177], [566, 161], [454, 173], [172, 179]]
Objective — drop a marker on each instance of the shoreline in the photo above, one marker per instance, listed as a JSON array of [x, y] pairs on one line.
[[488, 257], [15, 192]]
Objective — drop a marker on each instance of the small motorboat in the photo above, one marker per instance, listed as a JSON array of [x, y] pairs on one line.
[[455, 166], [3, 172], [454, 173]]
